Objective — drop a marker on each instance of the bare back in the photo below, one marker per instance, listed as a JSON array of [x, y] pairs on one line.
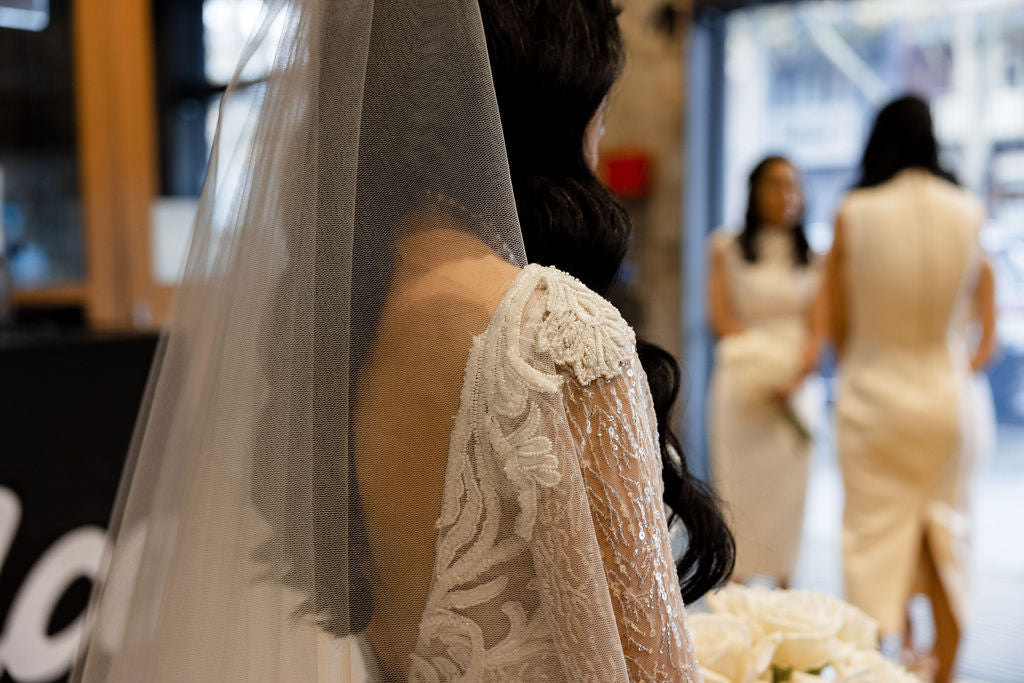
[[434, 308]]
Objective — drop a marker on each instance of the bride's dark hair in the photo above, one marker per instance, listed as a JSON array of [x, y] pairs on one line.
[[553, 63]]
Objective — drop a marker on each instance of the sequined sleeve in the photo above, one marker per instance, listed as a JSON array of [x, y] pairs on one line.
[[615, 431], [553, 560]]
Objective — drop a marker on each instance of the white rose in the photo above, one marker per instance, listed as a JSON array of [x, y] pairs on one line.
[[741, 601], [710, 676], [807, 624], [858, 629], [869, 666], [727, 650], [801, 677]]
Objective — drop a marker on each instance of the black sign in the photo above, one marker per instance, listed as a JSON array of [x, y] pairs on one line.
[[67, 410]]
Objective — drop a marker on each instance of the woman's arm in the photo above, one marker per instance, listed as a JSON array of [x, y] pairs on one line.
[[833, 295], [723, 321], [817, 325], [985, 311]]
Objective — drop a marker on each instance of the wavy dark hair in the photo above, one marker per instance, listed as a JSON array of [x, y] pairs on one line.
[[553, 64], [902, 137], [753, 222]]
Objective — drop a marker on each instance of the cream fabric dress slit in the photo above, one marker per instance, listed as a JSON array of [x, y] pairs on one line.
[[911, 260]]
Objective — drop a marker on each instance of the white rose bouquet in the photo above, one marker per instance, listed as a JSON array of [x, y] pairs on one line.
[[762, 367], [755, 634]]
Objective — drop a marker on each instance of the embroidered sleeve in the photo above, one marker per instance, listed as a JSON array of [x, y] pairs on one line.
[[615, 430]]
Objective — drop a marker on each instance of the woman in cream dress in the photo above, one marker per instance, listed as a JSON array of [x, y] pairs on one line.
[[901, 277], [764, 280]]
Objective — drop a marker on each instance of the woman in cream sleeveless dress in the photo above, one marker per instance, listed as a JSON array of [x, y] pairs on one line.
[[901, 276], [760, 463]]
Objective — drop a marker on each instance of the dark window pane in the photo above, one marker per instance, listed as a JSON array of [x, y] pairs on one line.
[[39, 195]]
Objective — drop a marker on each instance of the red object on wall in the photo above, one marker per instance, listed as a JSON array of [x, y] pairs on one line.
[[626, 172]]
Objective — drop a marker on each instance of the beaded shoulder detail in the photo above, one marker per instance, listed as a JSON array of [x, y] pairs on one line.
[[581, 330]]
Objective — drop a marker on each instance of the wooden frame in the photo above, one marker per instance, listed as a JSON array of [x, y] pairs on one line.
[[62, 295], [114, 92]]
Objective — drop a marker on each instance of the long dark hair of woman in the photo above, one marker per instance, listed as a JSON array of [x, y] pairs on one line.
[[753, 222], [902, 137], [553, 64]]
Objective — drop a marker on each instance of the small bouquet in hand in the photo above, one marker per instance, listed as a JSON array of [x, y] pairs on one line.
[[764, 368], [755, 634]]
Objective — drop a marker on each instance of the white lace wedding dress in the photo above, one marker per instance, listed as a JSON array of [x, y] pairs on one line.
[[555, 446]]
